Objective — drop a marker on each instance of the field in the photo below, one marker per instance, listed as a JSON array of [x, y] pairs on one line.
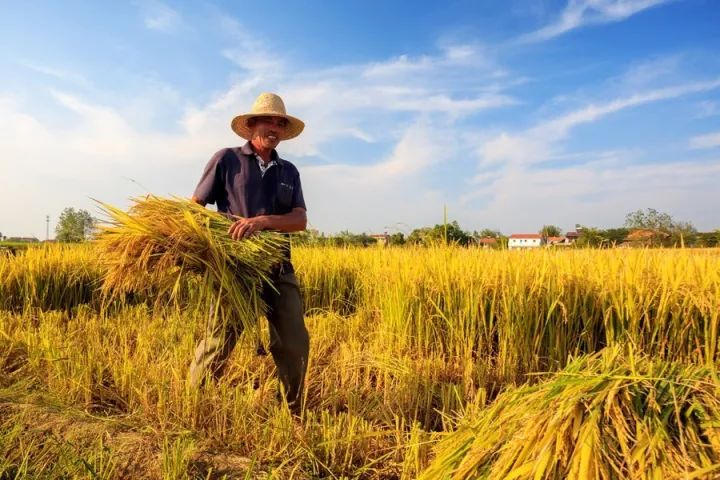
[[411, 348]]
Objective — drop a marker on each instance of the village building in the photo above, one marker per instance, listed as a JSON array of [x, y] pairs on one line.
[[524, 240], [382, 239], [487, 242]]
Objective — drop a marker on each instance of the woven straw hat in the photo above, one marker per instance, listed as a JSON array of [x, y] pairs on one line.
[[267, 105]]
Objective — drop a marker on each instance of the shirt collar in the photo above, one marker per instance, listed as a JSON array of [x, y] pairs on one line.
[[248, 150]]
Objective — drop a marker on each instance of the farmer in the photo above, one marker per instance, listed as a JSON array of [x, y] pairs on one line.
[[263, 192]]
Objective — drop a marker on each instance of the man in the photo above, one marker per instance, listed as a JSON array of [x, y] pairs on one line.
[[263, 192]]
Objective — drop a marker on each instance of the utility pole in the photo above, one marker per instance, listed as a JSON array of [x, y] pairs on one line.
[[47, 227], [445, 222]]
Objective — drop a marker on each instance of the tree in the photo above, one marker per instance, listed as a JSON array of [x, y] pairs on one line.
[[440, 233], [396, 239], [487, 233], [615, 236], [650, 220], [667, 231], [74, 226], [590, 237], [550, 231], [683, 234]]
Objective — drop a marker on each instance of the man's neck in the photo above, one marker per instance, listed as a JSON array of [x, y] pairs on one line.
[[264, 153]]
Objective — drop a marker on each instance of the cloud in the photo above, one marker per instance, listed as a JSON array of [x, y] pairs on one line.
[[57, 73], [537, 143], [387, 141], [519, 172], [579, 13], [708, 108], [160, 17], [710, 140], [597, 193], [392, 190]]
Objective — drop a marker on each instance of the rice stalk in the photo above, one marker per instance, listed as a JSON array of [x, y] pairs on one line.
[[159, 242], [609, 415]]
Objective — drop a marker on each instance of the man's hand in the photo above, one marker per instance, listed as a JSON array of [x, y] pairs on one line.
[[244, 227]]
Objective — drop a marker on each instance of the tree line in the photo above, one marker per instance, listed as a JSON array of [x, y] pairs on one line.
[[648, 227]]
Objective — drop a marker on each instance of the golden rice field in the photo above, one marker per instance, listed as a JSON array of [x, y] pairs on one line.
[[425, 363]]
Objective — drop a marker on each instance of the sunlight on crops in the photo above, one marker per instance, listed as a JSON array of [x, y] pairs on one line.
[[407, 346]]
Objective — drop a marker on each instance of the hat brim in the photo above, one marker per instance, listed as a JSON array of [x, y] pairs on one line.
[[294, 128]]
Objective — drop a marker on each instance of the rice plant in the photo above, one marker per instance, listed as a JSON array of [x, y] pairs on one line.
[[605, 416], [403, 342], [158, 242]]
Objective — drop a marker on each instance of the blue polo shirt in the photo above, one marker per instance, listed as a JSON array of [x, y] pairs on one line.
[[233, 181]]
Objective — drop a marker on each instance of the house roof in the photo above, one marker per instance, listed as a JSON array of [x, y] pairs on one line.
[[572, 234], [527, 236], [555, 239], [488, 241], [645, 234]]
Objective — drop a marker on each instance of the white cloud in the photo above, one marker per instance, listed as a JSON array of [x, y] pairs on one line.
[[710, 140], [58, 73], [410, 112], [597, 193], [537, 143], [160, 17], [393, 190], [519, 173], [579, 13], [708, 108]]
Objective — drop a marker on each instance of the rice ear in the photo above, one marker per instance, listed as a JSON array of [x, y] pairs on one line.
[[159, 242]]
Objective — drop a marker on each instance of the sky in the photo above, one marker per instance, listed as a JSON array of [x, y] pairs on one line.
[[509, 114]]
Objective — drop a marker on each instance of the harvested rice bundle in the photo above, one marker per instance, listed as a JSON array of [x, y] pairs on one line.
[[158, 241], [607, 416]]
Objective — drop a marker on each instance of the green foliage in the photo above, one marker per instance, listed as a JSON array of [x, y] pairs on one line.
[[487, 233], [397, 239], [349, 239], [450, 233], [598, 238], [650, 220], [669, 231], [550, 231], [708, 239], [309, 237], [615, 236], [74, 226]]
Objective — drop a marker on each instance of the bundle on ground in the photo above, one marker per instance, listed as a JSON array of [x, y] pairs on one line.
[[607, 416], [158, 242]]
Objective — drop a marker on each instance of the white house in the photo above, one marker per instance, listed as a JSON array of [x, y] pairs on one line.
[[524, 240]]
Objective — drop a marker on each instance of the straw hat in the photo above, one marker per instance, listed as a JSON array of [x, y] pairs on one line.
[[267, 105]]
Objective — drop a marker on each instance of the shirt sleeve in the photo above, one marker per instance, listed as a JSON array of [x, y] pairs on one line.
[[298, 200], [207, 188]]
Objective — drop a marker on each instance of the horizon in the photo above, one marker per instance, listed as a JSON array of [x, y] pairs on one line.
[[514, 115]]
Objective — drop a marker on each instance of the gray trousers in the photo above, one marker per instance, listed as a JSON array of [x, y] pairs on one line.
[[289, 340]]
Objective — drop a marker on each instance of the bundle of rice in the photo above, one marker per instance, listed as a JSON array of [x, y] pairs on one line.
[[159, 241], [610, 415]]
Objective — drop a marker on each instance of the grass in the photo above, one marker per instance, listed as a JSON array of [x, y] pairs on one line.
[[403, 342]]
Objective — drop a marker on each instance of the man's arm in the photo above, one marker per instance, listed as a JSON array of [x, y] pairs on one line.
[[294, 221], [197, 200]]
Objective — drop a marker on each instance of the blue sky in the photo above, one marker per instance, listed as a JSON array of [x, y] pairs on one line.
[[513, 114]]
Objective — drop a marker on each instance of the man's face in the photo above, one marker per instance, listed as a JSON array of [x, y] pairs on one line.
[[267, 131]]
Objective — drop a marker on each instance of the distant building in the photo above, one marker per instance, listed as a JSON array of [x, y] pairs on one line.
[[382, 239], [524, 240], [572, 236], [487, 242], [645, 237], [558, 241]]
